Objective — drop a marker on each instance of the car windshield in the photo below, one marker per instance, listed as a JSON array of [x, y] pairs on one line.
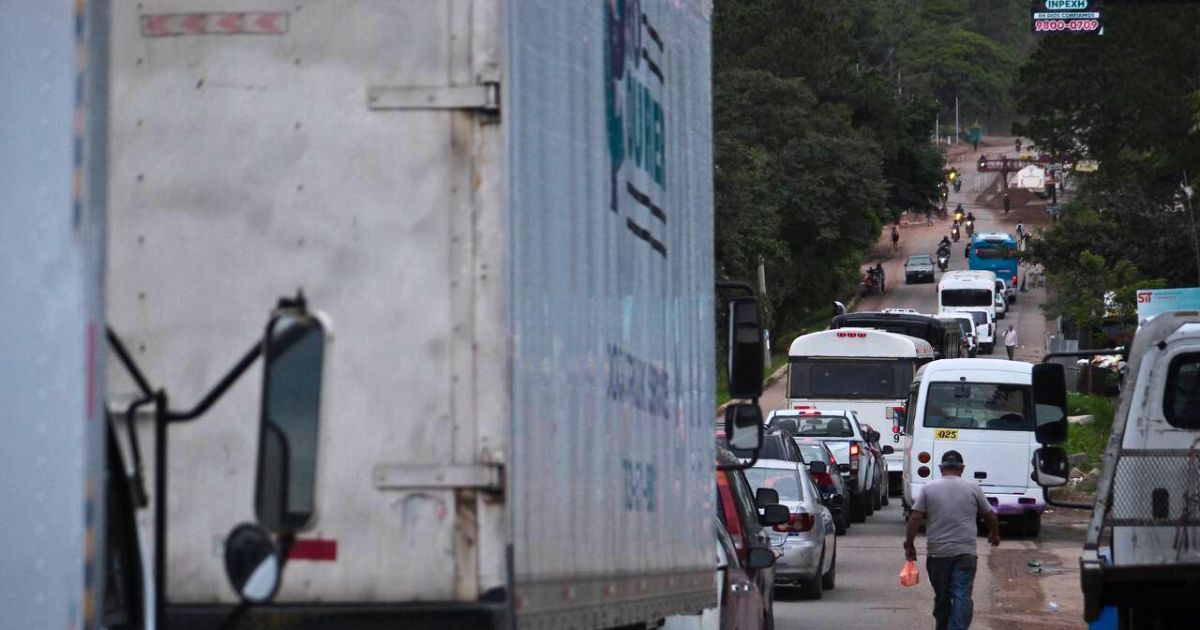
[[782, 481], [819, 426], [772, 448], [870, 379], [990, 406], [966, 297], [920, 260]]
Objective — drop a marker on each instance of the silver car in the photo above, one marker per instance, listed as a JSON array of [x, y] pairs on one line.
[[807, 544]]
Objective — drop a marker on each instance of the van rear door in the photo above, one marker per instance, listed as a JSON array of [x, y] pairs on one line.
[[992, 458], [990, 424]]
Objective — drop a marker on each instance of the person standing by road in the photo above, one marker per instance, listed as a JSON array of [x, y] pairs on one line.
[[895, 236], [1007, 203], [951, 504], [1010, 341]]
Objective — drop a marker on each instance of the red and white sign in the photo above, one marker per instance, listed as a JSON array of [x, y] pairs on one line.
[[249, 23]]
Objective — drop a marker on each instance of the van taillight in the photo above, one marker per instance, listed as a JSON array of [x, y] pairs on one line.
[[1014, 282], [924, 457], [923, 472]]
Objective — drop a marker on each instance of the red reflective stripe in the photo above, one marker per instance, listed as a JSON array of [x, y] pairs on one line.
[[316, 549]]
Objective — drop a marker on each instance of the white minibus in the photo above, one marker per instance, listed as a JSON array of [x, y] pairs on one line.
[[982, 408], [863, 370], [971, 292]]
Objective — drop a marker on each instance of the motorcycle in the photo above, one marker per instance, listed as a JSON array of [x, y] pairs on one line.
[[959, 215], [954, 232], [943, 259], [869, 285], [970, 228]]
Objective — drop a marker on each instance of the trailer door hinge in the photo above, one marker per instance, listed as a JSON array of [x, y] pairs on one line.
[[481, 97], [487, 477]]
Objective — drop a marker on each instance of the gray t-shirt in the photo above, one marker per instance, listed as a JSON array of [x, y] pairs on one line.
[[951, 505]]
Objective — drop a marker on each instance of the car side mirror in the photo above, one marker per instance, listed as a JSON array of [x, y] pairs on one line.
[[844, 468], [253, 563], [818, 468], [760, 558], [835, 500], [765, 496], [745, 348], [774, 515], [744, 426], [888, 450], [1050, 466], [1050, 403], [294, 351]]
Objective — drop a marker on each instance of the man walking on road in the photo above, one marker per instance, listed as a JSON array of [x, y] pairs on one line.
[[951, 504], [896, 236], [1010, 341]]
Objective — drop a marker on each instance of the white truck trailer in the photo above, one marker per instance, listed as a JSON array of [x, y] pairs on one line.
[[501, 214]]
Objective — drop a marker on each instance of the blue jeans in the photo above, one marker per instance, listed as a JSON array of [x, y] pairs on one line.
[[952, 579]]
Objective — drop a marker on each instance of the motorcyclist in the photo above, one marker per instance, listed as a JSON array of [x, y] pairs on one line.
[[958, 213], [944, 244], [970, 216]]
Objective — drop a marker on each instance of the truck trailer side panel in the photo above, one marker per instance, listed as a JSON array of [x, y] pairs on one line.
[[609, 107]]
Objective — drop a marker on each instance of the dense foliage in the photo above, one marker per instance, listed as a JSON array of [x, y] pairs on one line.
[[823, 113], [1127, 99]]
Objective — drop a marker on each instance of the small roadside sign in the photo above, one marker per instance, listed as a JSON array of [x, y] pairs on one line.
[[1066, 16]]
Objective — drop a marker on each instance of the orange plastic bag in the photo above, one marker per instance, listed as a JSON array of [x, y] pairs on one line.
[[909, 575]]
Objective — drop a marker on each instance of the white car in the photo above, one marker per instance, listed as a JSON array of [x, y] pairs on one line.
[[1001, 301]]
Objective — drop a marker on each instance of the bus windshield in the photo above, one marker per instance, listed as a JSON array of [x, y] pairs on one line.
[[967, 297], [990, 406], [867, 379]]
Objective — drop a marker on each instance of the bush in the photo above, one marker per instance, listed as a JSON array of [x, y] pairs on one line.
[[1090, 438]]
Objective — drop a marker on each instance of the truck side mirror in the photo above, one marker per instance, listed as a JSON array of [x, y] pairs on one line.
[[252, 563], [745, 348], [744, 426], [294, 348], [1050, 466], [765, 496], [775, 515], [818, 468], [1050, 403]]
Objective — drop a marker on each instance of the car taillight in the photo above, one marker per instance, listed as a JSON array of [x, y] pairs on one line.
[[854, 451], [924, 457], [963, 342], [797, 523]]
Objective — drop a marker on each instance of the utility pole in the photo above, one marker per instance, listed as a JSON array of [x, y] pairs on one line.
[[937, 128], [1187, 195], [956, 131]]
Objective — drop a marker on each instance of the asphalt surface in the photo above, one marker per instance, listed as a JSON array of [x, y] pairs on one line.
[[1008, 593]]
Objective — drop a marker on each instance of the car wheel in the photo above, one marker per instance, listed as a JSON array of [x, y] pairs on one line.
[[876, 500], [841, 524], [829, 580], [812, 588], [858, 508], [1033, 525], [883, 497], [869, 503]]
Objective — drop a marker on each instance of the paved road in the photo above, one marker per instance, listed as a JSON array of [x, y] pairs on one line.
[[1007, 593]]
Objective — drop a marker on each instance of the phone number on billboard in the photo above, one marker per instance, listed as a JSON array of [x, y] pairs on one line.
[[1066, 25]]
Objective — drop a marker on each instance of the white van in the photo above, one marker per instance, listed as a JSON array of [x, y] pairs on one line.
[[863, 370], [971, 291], [983, 409]]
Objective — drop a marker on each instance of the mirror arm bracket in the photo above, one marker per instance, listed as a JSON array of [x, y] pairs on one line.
[[220, 388]]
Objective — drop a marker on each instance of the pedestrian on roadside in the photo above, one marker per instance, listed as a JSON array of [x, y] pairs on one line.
[[1010, 341], [1007, 203], [951, 506], [928, 215], [896, 236]]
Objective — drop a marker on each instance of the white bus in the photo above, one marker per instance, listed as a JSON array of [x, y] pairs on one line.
[[982, 408], [863, 370], [971, 292]]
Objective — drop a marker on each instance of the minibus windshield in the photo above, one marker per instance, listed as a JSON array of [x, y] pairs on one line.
[[990, 406]]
